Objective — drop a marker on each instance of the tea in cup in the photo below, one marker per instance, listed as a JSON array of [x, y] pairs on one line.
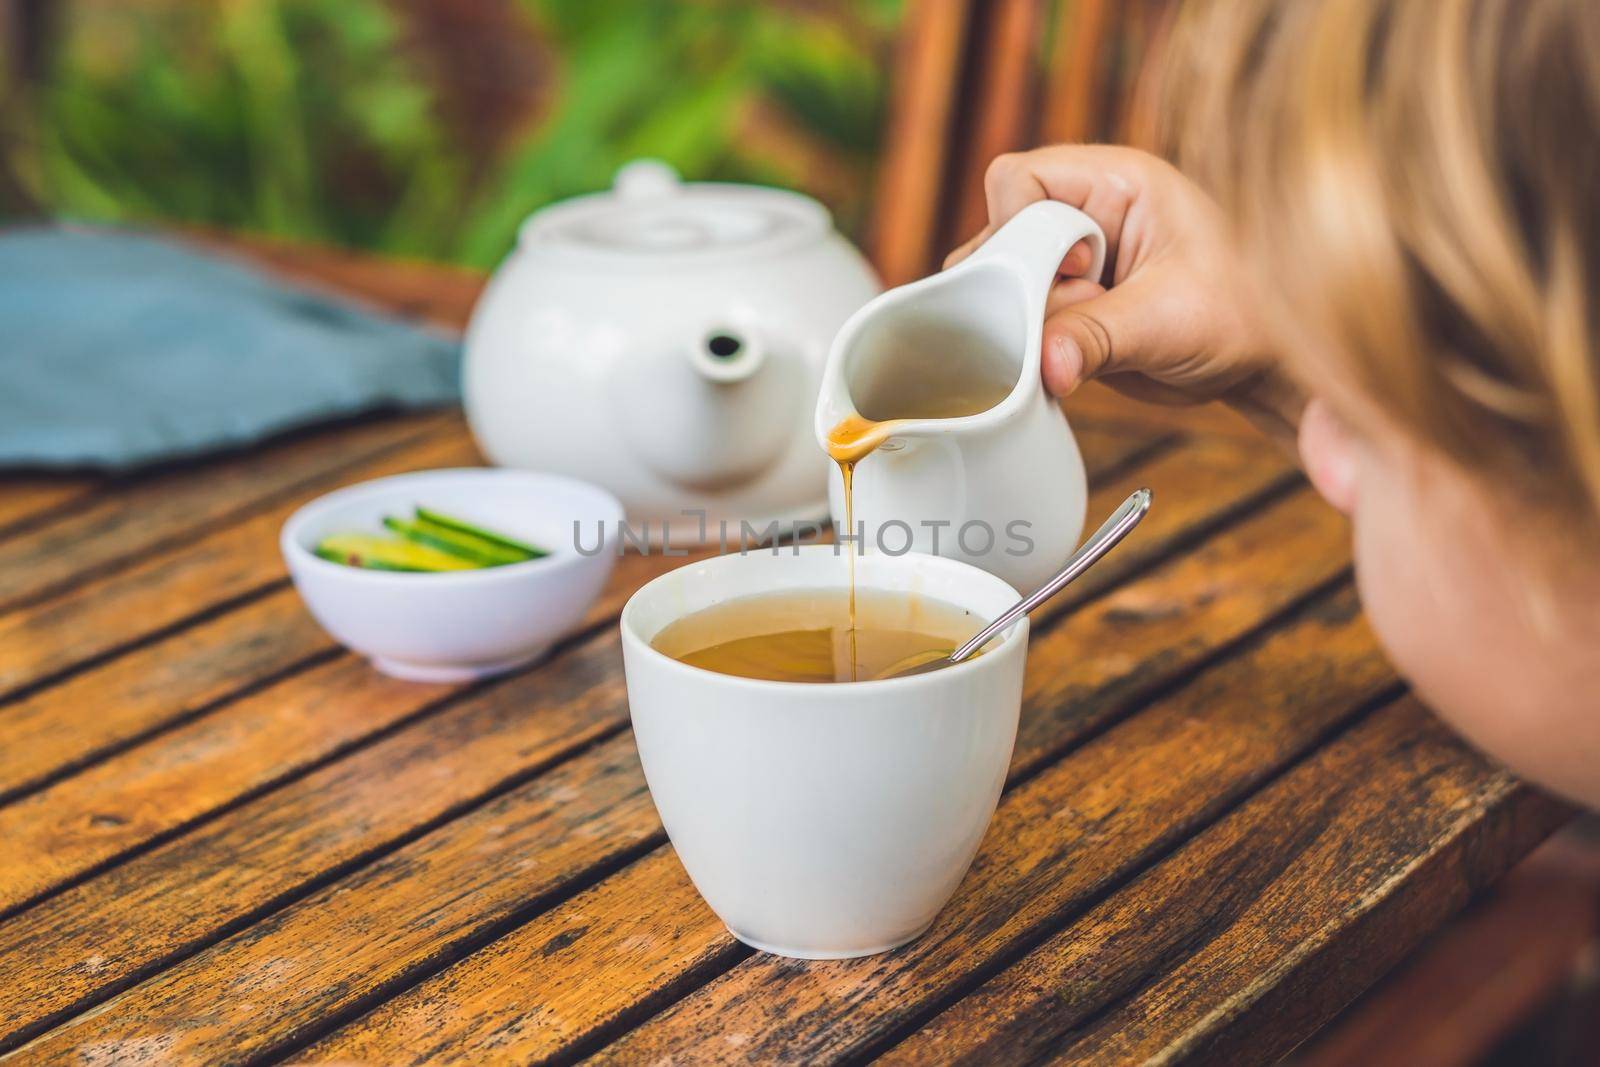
[[818, 635], [825, 819]]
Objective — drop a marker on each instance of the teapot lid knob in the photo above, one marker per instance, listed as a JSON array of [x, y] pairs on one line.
[[645, 179]]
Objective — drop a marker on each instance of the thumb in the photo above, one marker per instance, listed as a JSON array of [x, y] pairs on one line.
[[1100, 335]]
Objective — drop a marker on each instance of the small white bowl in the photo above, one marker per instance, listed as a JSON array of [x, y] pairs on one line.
[[458, 625]]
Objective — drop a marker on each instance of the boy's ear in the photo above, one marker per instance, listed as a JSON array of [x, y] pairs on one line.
[[1328, 451]]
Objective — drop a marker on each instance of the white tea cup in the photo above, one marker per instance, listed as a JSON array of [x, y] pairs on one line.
[[823, 821]]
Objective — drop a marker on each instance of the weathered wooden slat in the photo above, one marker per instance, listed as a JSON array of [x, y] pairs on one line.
[[1516, 951], [81, 822], [60, 726], [148, 513], [1060, 839], [163, 903], [1199, 485], [1056, 840], [95, 617], [1099, 404], [445, 892], [553, 983], [124, 918], [27, 497], [1108, 448], [76, 824], [1374, 839]]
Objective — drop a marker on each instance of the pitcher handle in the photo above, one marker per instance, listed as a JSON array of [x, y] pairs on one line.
[[1037, 237]]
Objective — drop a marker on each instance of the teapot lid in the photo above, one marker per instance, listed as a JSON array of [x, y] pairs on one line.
[[650, 214]]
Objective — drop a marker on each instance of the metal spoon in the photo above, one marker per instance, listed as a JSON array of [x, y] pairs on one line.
[[1103, 540]]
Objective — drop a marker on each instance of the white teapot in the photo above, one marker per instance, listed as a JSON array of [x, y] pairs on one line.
[[666, 340]]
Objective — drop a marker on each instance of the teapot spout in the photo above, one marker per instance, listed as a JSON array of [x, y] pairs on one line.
[[725, 354]]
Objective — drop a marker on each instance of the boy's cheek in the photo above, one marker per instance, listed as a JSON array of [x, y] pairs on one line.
[[1329, 453], [1411, 587]]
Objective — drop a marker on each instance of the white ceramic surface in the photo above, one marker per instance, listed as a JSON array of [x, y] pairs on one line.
[[1013, 470], [823, 821], [665, 340], [458, 625]]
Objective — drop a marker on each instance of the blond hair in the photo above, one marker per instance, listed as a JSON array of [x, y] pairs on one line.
[[1420, 181]]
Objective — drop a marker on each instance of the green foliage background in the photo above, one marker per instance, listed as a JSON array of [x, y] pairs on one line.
[[314, 119]]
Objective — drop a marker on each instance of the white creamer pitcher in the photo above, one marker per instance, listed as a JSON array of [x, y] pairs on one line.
[[1004, 489]]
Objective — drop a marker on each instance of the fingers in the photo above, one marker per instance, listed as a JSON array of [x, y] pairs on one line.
[[1090, 334], [1012, 183], [1077, 260], [1071, 291], [1100, 180]]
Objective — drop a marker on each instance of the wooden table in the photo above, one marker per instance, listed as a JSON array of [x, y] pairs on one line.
[[225, 839]]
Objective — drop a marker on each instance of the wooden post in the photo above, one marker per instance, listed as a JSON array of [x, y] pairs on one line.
[[1008, 81], [1078, 92], [911, 179]]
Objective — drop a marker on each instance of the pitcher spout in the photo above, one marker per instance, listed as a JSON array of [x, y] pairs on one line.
[[931, 355]]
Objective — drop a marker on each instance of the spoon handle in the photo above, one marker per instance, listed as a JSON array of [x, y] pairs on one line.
[[1103, 540]]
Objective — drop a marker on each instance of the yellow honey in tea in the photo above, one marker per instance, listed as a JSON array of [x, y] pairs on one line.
[[806, 636]]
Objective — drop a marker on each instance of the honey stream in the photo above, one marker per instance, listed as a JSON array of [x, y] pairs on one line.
[[849, 442], [855, 437]]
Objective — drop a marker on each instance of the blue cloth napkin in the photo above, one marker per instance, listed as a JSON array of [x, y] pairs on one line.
[[118, 350]]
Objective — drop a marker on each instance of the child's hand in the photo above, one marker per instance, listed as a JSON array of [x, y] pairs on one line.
[[1174, 326]]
